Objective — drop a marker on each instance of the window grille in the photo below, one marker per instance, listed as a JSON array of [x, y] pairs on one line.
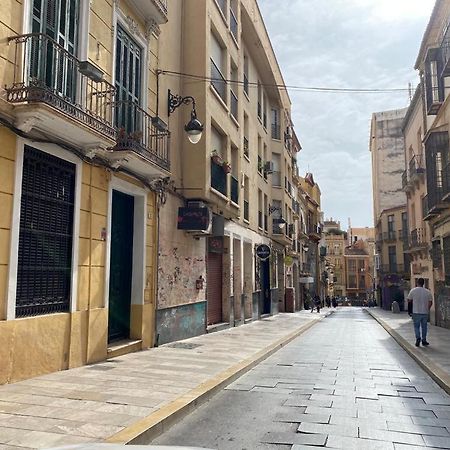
[[45, 236]]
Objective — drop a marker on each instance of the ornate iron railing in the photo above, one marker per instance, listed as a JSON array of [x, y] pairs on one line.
[[45, 72], [137, 133], [162, 4]]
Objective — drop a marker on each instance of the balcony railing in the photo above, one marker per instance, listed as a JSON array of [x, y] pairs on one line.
[[418, 238], [218, 178], [432, 202], [137, 133], [389, 236], [233, 104], [234, 189], [276, 228], [233, 24], [45, 72], [392, 268], [218, 81]]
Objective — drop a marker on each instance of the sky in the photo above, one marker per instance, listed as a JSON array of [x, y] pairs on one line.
[[367, 44]]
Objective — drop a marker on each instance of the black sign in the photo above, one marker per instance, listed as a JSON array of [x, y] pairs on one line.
[[262, 251], [215, 244], [193, 219]]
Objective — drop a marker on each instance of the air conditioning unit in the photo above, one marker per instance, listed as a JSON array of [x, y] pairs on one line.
[[268, 167]]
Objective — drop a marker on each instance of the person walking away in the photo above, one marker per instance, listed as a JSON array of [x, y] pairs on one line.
[[421, 300], [317, 302]]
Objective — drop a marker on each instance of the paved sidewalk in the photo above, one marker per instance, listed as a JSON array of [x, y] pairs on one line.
[[135, 396], [435, 359]]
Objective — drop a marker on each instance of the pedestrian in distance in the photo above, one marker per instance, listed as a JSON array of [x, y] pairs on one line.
[[421, 300], [328, 301], [317, 302], [334, 302]]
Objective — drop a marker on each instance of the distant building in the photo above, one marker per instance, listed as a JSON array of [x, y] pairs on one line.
[[359, 286]]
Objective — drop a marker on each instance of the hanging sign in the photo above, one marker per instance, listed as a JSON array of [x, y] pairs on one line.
[[263, 251]]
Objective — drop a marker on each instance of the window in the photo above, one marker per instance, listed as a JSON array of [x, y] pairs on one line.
[[352, 265], [246, 197], [276, 127], [234, 175], [128, 81], [260, 206], [276, 174], [58, 21], [45, 234], [266, 217], [434, 83], [218, 175], [233, 19], [392, 254], [233, 91], [246, 143], [246, 74], [217, 68], [259, 100], [352, 281]]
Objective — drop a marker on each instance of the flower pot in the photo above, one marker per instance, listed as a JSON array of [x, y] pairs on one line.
[[226, 168], [216, 159]]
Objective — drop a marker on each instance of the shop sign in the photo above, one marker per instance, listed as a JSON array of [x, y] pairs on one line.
[[263, 251]]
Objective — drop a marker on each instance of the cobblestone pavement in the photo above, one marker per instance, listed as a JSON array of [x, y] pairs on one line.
[[344, 384]]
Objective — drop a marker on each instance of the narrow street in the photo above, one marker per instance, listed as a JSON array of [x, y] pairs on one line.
[[343, 384]]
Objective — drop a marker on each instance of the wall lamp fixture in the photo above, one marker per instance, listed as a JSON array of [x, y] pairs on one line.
[[194, 127]]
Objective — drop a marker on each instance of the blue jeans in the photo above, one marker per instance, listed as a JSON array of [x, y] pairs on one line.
[[420, 320]]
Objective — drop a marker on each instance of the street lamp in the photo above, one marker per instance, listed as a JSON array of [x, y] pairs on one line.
[[194, 127]]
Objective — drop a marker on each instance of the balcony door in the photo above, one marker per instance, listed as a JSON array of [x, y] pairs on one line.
[[128, 79], [53, 45]]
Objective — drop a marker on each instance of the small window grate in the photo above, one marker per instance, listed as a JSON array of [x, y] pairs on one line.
[[46, 232]]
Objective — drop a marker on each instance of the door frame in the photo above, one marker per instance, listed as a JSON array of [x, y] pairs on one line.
[[139, 239]]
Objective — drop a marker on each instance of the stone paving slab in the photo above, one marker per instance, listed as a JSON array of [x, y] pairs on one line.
[[118, 399], [435, 359]]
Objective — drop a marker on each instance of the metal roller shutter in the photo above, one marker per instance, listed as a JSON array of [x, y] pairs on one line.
[[214, 288]]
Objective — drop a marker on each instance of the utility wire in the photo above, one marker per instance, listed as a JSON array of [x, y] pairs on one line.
[[284, 86]]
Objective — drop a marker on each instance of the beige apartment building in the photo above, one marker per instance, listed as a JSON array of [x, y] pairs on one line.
[[335, 242], [238, 178], [389, 200], [416, 238], [433, 64], [359, 286], [81, 164]]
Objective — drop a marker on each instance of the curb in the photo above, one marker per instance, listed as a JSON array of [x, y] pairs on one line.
[[158, 422], [441, 377]]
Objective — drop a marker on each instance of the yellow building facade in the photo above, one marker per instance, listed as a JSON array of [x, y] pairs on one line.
[[81, 164]]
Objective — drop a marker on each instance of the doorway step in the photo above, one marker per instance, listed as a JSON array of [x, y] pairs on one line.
[[123, 347]]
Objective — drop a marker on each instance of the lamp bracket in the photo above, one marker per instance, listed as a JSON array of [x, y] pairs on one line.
[[174, 101]]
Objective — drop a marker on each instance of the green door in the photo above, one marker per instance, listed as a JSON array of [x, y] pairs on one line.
[[121, 266]]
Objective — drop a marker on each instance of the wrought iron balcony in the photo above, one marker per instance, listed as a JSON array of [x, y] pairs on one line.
[[46, 73], [432, 203], [138, 134], [392, 268], [418, 239], [389, 236]]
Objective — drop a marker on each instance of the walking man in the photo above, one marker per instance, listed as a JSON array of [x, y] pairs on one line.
[[421, 300]]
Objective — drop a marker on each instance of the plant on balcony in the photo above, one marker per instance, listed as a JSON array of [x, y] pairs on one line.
[[216, 158], [226, 166]]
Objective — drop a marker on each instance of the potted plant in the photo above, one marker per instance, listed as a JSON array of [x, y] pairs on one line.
[[226, 166], [216, 159]]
